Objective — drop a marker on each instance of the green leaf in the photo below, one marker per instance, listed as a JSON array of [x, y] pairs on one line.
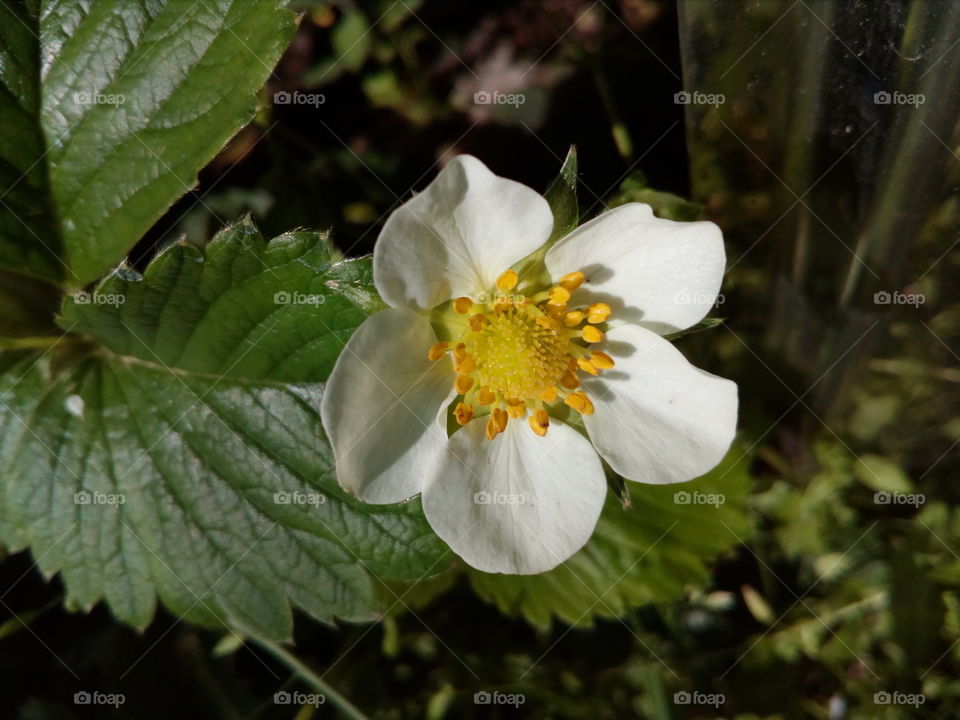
[[561, 194], [90, 159], [648, 552], [879, 473], [201, 404]]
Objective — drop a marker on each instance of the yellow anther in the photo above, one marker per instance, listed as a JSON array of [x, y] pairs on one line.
[[571, 281], [507, 281], [549, 395], [476, 322], [573, 318], [577, 400], [559, 295], [601, 360], [591, 334], [485, 397], [460, 352], [462, 305], [539, 422], [463, 413], [556, 311], [598, 313], [500, 418], [437, 351], [587, 366], [465, 366], [569, 381], [491, 428], [516, 408], [501, 304], [463, 383], [572, 364], [589, 409], [548, 323]]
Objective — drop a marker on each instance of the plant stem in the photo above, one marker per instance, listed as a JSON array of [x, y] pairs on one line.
[[310, 677]]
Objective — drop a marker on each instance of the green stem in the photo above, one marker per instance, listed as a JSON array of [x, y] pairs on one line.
[[310, 677]]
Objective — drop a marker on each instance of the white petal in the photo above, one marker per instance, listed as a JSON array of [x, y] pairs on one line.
[[383, 405], [658, 418], [544, 493], [457, 236], [661, 274]]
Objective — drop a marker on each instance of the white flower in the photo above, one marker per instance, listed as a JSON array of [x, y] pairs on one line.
[[519, 353]]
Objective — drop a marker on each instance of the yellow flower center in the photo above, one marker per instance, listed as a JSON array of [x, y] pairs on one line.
[[518, 355]]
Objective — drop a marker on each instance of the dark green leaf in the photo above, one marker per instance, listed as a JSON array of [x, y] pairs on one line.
[[200, 406], [90, 159]]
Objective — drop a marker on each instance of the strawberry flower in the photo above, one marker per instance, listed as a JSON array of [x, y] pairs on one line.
[[504, 370]]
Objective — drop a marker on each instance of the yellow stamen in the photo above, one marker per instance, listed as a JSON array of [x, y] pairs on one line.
[[462, 305], [549, 395], [491, 428], [463, 413], [476, 322], [569, 381], [465, 366], [460, 352], [463, 383], [507, 281], [573, 318], [499, 416], [588, 409], [578, 401], [571, 281], [598, 313], [587, 366], [516, 408], [557, 311], [601, 360], [437, 351], [559, 295], [591, 334], [539, 422], [485, 397]]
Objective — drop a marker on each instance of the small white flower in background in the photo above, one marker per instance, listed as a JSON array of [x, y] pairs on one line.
[[509, 348]]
